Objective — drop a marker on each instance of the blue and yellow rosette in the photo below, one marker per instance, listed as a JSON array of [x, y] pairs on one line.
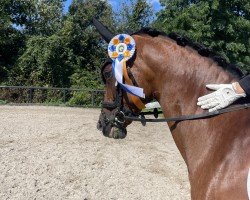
[[120, 49]]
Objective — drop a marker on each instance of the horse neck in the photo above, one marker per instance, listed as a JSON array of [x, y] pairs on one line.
[[176, 75], [181, 78]]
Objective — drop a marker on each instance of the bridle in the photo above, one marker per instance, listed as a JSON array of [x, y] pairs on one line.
[[123, 113]]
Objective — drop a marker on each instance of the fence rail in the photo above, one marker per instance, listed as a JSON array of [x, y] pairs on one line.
[[70, 96]]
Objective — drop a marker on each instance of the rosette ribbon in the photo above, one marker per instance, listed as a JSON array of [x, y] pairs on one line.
[[121, 48]]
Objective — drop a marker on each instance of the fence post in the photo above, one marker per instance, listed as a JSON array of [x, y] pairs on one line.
[[92, 97], [30, 95], [64, 96]]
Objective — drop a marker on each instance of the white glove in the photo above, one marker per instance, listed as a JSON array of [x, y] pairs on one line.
[[223, 96]]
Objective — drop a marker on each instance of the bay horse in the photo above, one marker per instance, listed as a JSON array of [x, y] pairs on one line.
[[174, 71]]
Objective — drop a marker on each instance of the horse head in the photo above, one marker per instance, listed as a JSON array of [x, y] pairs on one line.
[[117, 103]]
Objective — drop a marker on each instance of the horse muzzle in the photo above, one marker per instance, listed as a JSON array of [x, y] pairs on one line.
[[112, 125]]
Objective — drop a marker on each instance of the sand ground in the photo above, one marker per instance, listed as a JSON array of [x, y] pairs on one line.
[[57, 153]]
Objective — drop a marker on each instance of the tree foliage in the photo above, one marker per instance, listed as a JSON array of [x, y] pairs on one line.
[[134, 15], [45, 62], [70, 57], [20, 20], [11, 42], [43, 46], [61, 50], [221, 25]]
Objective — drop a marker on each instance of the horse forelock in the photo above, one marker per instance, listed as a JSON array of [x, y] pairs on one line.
[[200, 48]]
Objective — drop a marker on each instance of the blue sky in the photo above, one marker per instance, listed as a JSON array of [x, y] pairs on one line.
[[115, 4]]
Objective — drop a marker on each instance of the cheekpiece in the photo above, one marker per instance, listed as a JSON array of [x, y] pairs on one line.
[[121, 47]]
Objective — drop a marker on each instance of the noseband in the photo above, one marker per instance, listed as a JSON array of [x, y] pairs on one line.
[[117, 103], [118, 119]]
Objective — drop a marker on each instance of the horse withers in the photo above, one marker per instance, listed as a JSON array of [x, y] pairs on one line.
[[174, 71]]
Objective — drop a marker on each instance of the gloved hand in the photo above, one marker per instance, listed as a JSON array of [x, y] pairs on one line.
[[223, 96]]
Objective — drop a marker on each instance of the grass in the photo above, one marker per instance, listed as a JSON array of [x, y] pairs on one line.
[[3, 102]]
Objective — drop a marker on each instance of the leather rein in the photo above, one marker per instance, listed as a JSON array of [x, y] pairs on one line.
[[141, 118]]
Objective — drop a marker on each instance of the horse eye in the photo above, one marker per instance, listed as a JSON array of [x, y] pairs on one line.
[[107, 75]]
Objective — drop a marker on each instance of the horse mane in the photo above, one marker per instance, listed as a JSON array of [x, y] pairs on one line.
[[201, 49]]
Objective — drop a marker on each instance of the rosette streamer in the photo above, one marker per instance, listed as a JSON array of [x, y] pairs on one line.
[[121, 48]]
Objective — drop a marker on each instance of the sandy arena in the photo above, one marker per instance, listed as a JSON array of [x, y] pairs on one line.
[[57, 153]]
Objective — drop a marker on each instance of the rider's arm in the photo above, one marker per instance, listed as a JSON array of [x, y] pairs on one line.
[[245, 84], [237, 88]]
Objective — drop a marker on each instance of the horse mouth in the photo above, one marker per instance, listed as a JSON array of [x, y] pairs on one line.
[[117, 133], [112, 131]]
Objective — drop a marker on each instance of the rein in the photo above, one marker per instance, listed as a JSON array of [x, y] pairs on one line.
[[206, 115]]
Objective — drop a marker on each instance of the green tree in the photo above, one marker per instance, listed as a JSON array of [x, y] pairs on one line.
[[221, 25], [45, 17], [11, 42], [45, 62], [34, 17], [134, 15], [71, 57], [19, 20], [5, 19], [85, 40]]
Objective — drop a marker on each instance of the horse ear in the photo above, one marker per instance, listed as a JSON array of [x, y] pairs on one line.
[[105, 33]]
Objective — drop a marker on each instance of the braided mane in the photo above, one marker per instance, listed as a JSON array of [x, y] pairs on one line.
[[201, 49]]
